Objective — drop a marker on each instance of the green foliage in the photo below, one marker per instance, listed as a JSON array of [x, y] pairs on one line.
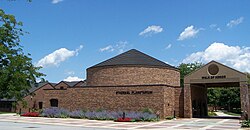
[[213, 97], [228, 98], [212, 114], [245, 123], [16, 69], [148, 110], [169, 118], [186, 69], [99, 110], [248, 78]]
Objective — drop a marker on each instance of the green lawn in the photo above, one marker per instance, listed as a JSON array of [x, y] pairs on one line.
[[5, 112], [212, 114]]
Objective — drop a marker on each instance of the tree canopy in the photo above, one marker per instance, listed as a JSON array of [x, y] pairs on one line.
[[16, 69], [248, 77], [186, 69]]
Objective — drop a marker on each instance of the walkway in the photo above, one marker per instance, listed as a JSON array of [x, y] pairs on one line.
[[194, 123], [220, 113]]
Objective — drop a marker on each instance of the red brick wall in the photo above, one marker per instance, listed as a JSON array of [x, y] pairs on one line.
[[169, 101], [131, 75], [32, 101], [179, 102], [93, 98]]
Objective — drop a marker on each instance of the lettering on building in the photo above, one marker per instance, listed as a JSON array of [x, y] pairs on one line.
[[133, 92], [214, 77]]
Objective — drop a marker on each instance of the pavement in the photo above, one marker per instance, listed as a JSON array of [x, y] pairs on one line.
[[12, 121], [221, 114]]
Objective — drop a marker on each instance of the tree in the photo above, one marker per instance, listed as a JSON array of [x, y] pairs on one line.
[[227, 98], [186, 69], [248, 77], [213, 96], [17, 72]]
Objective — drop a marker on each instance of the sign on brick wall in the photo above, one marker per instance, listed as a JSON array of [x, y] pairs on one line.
[[133, 92]]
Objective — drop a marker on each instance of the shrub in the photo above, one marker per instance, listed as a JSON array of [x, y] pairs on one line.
[[77, 114], [102, 115], [56, 112], [169, 117], [142, 116], [98, 115], [149, 117], [245, 123], [134, 115], [125, 120], [99, 110], [30, 114], [212, 114], [147, 110]]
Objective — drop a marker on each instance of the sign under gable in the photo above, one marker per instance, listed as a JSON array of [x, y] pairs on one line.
[[215, 72]]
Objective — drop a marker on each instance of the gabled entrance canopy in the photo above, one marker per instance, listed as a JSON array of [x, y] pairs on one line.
[[213, 74]]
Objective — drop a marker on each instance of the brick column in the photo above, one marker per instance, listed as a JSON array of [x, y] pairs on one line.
[[187, 101], [244, 99]]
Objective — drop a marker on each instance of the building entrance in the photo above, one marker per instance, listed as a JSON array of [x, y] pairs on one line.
[[213, 74]]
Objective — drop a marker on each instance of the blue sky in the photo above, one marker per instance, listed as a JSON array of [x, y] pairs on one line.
[[68, 36]]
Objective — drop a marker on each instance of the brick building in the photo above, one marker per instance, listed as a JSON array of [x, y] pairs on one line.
[[131, 81]]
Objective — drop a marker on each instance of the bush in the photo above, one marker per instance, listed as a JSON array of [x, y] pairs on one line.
[[125, 120], [56, 112], [169, 117], [77, 114], [245, 123], [98, 115], [30, 114], [147, 110], [212, 114]]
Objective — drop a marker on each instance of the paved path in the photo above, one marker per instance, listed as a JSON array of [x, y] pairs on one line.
[[29, 126], [220, 113], [179, 124]]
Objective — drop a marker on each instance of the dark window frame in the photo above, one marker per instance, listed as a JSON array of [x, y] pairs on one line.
[[40, 105], [54, 102]]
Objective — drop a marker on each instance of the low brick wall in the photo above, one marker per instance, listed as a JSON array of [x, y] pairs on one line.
[[130, 98]]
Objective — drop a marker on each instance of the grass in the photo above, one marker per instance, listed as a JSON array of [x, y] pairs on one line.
[[3, 112], [212, 114]]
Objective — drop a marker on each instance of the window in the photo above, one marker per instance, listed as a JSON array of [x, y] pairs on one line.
[[53, 102], [61, 88], [40, 104]]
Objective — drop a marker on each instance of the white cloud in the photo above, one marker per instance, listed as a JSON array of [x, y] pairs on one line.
[[70, 72], [189, 32], [73, 78], [56, 1], [214, 26], [108, 48], [151, 30], [218, 29], [233, 56], [168, 46], [58, 56], [119, 47], [235, 22]]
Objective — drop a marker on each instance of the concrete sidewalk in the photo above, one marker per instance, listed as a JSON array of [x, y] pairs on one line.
[[222, 114], [179, 124]]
